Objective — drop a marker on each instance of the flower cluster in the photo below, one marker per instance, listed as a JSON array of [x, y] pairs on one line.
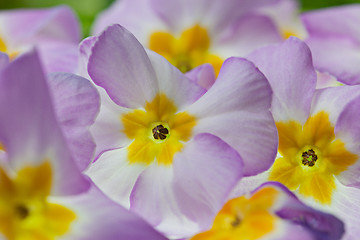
[[197, 120]]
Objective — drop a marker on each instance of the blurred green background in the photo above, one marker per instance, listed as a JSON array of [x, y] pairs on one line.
[[88, 9]]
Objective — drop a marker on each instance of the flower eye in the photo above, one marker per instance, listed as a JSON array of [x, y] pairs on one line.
[[160, 132]]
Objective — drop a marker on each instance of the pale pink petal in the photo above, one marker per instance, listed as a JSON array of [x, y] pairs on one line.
[[76, 104], [203, 75], [173, 83], [236, 109], [333, 100], [115, 176], [288, 67], [97, 217], [119, 64], [137, 16], [108, 129], [246, 34]]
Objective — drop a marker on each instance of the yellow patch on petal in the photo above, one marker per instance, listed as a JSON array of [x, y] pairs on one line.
[[318, 186], [244, 219], [188, 51], [339, 157], [3, 48], [285, 171], [158, 131], [311, 157], [290, 138], [25, 212], [2, 148], [289, 33], [2, 45], [319, 131]]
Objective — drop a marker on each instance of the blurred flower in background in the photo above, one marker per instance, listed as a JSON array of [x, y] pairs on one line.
[[55, 32], [190, 33], [87, 10]]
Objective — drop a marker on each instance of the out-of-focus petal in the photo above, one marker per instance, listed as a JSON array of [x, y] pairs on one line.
[[213, 14], [58, 56], [130, 13], [76, 104], [4, 60], [272, 212], [334, 22], [334, 39], [318, 225], [28, 127], [31, 26], [340, 56], [285, 14], [247, 33], [97, 217]]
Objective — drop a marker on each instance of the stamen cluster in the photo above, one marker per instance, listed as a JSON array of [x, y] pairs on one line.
[[309, 158]]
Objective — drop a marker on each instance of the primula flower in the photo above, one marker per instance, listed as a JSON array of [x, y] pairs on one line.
[[271, 212], [191, 33], [169, 151], [318, 151], [43, 195], [55, 32], [334, 40]]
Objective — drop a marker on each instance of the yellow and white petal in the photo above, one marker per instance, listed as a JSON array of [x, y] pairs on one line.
[[333, 100], [115, 175]]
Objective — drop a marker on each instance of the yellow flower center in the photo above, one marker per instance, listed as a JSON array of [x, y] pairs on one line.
[[188, 51], [158, 131], [244, 219], [25, 212], [311, 157]]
